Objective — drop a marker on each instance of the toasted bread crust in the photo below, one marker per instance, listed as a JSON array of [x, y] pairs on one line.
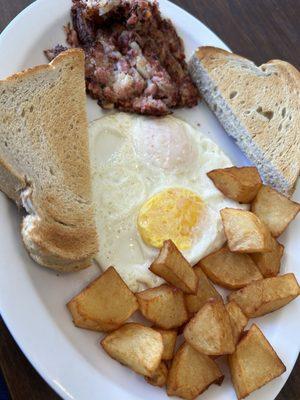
[[258, 106], [44, 153], [32, 71], [11, 183]]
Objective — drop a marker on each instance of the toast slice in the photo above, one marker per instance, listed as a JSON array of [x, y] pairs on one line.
[[44, 161], [258, 106]]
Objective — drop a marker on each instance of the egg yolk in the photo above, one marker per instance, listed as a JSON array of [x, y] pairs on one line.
[[171, 214]]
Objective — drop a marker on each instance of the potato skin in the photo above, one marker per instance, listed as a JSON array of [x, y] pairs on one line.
[[159, 377], [136, 346], [237, 183], [237, 318], [266, 295], [254, 363], [191, 373], [269, 263], [164, 306], [245, 232], [105, 304], [174, 268], [169, 340], [274, 209], [210, 331], [205, 291], [229, 269]]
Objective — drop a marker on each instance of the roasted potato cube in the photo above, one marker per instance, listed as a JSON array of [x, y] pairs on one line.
[[230, 270], [169, 341], [245, 232], [136, 346], [254, 363], [174, 268], [105, 304], [204, 292], [159, 378], [274, 209], [267, 295], [191, 373], [210, 331], [240, 184], [237, 318], [164, 306], [269, 263]]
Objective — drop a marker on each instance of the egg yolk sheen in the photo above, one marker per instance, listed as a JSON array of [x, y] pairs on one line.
[[171, 214]]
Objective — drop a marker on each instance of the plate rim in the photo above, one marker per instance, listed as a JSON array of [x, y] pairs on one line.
[[38, 365]]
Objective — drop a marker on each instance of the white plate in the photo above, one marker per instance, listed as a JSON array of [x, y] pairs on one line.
[[32, 299]]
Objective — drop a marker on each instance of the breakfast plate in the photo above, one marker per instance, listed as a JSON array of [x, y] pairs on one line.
[[32, 299]]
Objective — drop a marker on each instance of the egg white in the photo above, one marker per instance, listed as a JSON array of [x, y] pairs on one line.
[[133, 157]]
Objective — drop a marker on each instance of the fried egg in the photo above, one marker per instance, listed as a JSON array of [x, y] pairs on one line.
[[149, 185]]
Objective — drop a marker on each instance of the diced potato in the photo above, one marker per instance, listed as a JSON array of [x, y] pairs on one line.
[[210, 331], [136, 346], [269, 263], [245, 232], [240, 184], [267, 295], [237, 318], [230, 270], [274, 209], [159, 378], [174, 268], [254, 363], [191, 373], [164, 306], [105, 304], [205, 292], [169, 341]]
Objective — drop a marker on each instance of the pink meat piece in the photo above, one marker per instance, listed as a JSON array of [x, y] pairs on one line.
[[135, 60]]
